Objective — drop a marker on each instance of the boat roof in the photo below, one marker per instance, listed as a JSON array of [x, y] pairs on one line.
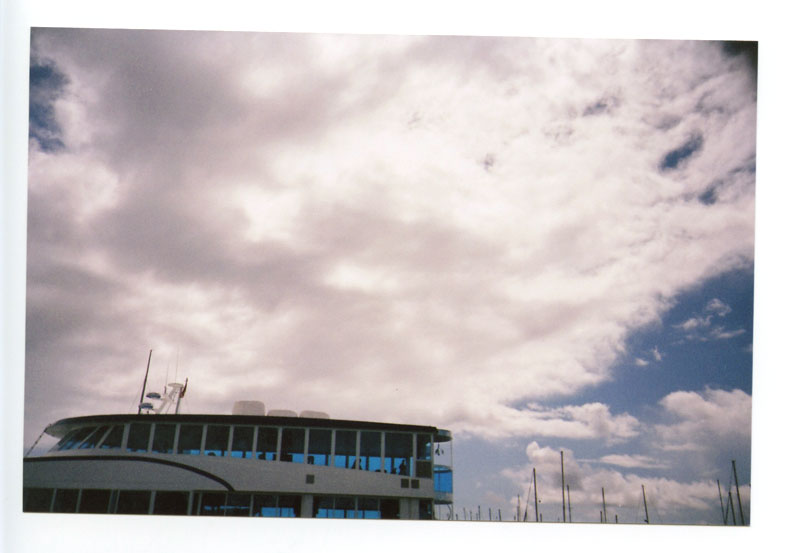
[[60, 428]]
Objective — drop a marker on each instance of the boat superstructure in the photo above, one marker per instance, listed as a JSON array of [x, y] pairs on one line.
[[278, 464]]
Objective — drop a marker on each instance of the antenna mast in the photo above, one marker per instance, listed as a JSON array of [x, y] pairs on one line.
[[144, 384]]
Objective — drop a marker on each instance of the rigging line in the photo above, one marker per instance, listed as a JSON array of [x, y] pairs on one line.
[[36, 442], [527, 501]]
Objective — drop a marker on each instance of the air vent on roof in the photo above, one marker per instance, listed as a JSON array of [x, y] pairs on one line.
[[281, 413], [251, 408], [314, 415]]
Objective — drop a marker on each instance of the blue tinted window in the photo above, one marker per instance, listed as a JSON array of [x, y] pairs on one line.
[[242, 445], [319, 446], [138, 437], [93, 438], [289, 506], [345, 456], [113, 439], [164, 438], [369, 507], [216, 440], [267, 443], [398, 452], [74, 438], [212, 504], [293, 444], [370, 451], [443, 479], [189, 438], [265, 505]]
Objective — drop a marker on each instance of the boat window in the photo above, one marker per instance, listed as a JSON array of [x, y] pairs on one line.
[[424, 442], [369, 507], [345, 454], [212, 504], [323, 507], [319, 446], [424, 464], [164, 438], [237, 505], [267, 443], [94, 438], [293, 444], [351, 507], [171, 503], [398, 452], [242, 445], [139, 437], [390, 508], [345, 507], [66, 501], [370, 451], [189, 438], [425, 509], [265, 505], [113, 439], [37, 500], [289, 506], [216, 440], [443, 479], [74, 438], [94, 501], [133, 502]]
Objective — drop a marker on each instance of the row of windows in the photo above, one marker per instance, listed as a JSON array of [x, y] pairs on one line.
[[43, 500], [390, 452]]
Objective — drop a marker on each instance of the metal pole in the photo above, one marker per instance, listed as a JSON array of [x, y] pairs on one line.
[[569, 504], [646, 515], [733, 509], [738, 497], [144, 384], [721, 508], [563, 497], [605, 515], [535, 497]]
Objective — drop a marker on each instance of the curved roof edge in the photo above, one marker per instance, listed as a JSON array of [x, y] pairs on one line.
[[59, 428]]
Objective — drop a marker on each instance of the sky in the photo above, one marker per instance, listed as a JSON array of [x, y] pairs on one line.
[[542, 245]]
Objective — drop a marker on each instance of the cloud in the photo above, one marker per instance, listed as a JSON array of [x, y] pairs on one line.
[[713, 309], [718, 307], [703, 420], [633, 461], [425, 229]]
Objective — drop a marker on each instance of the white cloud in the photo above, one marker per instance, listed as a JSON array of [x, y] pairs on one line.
[[632, 461], [718, 307], [705, 422]]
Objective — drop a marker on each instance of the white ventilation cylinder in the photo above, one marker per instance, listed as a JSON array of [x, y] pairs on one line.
[[281, 413], [250, 408], [314, 415]]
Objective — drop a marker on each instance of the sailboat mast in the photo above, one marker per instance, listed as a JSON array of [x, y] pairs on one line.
[[738, 497], [721, 508], [646, 515], [563, 497], [535, 496], [569, 504], [605, 515]]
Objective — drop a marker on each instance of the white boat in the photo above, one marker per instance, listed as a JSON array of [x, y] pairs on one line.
[[250, 463]]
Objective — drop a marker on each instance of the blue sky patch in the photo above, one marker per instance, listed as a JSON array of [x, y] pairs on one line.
[[674, 158], [47, 84]]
